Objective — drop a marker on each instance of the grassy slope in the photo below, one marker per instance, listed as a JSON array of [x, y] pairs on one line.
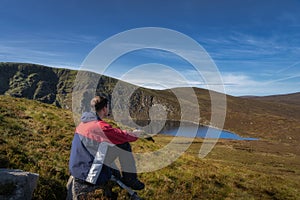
[[36, 137]]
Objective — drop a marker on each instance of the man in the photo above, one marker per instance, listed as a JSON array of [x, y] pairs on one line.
[[95, 146]]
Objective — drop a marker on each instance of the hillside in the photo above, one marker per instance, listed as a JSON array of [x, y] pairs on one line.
[[262, 118], [291, 99], [267, 120], [45, 84], [55, 86], [36, 137]]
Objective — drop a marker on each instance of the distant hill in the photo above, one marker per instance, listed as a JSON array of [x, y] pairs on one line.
[[264, 119], [291, 99], [271, 118]]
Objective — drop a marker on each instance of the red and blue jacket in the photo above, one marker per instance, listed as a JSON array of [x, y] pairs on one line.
[[92, 138]]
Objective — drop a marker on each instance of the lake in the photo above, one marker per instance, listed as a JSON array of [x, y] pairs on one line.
[[186, 129], [202, 131]]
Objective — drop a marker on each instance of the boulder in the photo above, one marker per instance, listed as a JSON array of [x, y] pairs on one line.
[[16, 184]]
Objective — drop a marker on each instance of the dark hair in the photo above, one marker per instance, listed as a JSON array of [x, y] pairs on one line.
[[99, 102]]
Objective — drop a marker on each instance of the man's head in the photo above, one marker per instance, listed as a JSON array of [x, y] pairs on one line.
[[100, 104]]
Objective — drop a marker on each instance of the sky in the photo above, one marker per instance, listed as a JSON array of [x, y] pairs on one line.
[[254, 44]]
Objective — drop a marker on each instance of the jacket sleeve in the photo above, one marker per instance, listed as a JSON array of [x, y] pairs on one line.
[[116, 135]]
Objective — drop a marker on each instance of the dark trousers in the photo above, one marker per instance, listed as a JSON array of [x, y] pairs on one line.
[[127, 162]]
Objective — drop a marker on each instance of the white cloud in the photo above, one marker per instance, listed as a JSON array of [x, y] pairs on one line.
[[240, 46], [241, 84], [51, 50], [158, 76], [154, 75]]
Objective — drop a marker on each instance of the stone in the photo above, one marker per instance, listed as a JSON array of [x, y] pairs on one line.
[[16, 184]]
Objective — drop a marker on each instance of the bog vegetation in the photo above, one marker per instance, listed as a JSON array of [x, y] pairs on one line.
[[37, 137]]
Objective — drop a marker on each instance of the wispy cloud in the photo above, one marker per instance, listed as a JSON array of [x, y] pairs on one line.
[[238, 50], [236, 84], [289, 68], [31, 55], [242, 84], [158, 76], [244, 50], [239, 46], [52, 50]]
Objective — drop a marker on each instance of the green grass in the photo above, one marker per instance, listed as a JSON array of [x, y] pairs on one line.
[[37, 137]]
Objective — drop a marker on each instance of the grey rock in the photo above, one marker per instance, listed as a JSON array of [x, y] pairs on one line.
[[16, 184]]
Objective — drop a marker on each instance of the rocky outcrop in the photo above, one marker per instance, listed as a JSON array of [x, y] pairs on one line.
[[56, 86], [45, 84], [17, 184], [59, 86]]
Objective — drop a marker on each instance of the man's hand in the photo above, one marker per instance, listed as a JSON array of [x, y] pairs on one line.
[[149, 138], [138, 132], [142, 134]]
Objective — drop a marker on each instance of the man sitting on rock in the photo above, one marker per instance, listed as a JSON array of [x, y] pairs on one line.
[[95, 146]]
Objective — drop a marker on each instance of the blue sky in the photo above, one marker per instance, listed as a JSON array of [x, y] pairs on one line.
[[255, 44]]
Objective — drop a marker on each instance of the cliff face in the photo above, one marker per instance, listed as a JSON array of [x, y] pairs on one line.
[[55, 86], [41, 83]]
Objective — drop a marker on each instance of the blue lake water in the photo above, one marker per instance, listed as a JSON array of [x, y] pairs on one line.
[[202, 132], [186, 129]]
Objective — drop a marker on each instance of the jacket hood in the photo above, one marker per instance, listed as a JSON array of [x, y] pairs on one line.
[[88, 117]]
